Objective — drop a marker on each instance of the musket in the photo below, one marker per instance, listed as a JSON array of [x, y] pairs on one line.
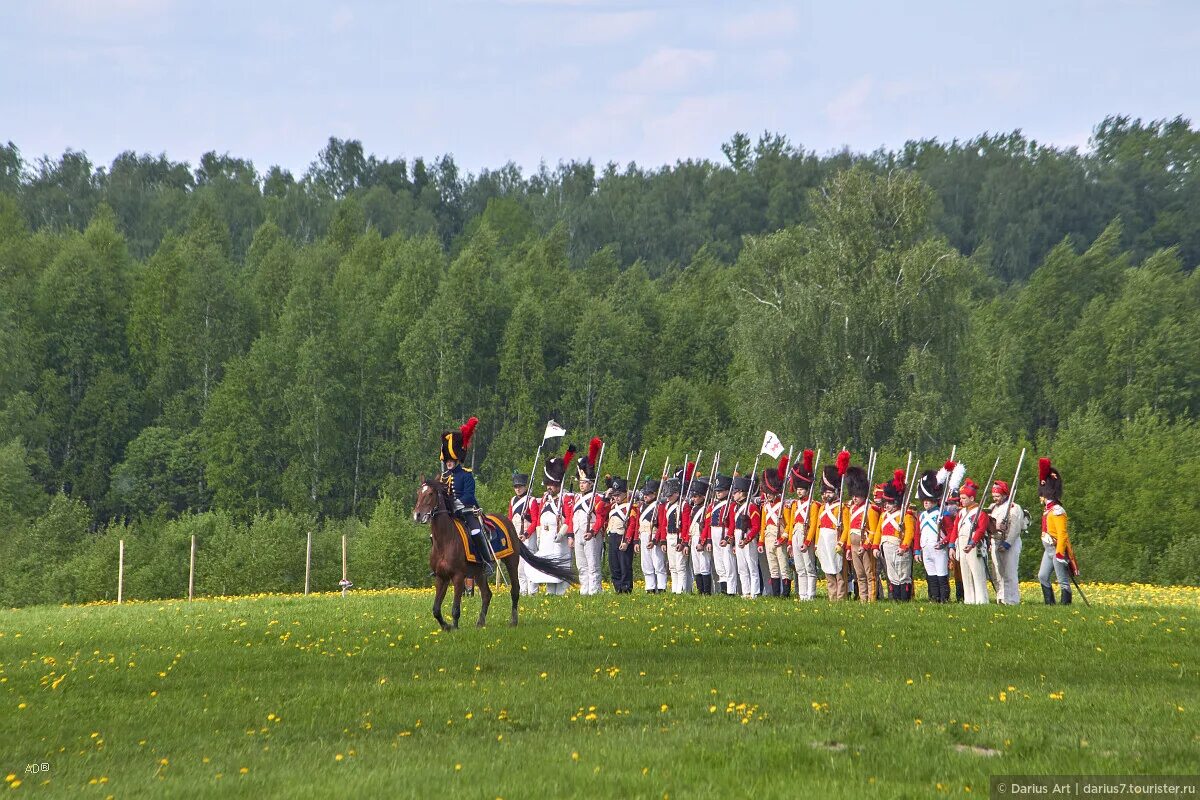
[[629, 515], [907, 478], [711, 480], [783, 498], [587, 533], [811, 501], [979, 504], [685, 494], [629, 468], [1012, 496], [870, 489], [945, 494]]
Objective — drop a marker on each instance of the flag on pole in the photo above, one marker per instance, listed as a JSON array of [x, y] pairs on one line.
[[554, 430], [772, 446]]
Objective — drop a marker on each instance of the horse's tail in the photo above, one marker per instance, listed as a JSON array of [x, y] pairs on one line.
[[549, 567]]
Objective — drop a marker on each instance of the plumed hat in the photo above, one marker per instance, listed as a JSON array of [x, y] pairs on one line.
[[556, 467], [893, 490], [832, 474], [1049, 481], [455, 443], [772, 479], [801, 474], [586, 465]]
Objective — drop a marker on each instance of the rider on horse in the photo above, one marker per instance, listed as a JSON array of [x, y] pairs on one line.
[[460, 486]]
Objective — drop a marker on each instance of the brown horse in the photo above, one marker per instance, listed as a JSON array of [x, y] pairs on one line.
[[448, 558]]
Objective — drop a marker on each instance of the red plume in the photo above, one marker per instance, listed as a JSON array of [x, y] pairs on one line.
[[898, 480], [843, 462], [594, 451], [808, 462], [688, 471], [1043, 469], [567, 456], [950, 465], [468, 431], [783, 462]]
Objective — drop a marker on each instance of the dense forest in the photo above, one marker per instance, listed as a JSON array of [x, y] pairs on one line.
[[216, 346]]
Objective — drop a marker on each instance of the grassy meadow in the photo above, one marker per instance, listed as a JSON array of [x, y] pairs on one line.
[[629, 696]]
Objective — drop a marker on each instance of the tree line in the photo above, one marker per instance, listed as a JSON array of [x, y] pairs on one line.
[[189, 347]]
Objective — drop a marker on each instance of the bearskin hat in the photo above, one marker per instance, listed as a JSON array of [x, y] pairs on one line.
[[671, 487], [772, 479], [893, 490], [857, 484], [831, 475], [556, 467], [802, 474], [455, 443], [1049, 481], [929, 487], [586, 465]]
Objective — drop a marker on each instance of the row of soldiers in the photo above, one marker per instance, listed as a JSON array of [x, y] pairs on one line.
[[724, 533]]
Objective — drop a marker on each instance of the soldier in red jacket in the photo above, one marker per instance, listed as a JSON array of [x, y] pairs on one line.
[[747, 525]]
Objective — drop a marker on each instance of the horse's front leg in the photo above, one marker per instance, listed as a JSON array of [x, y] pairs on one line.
[[485, 599], [456, 610], [513, 563], [439, 595]]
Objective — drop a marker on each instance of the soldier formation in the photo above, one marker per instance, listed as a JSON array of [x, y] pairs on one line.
[[765, 533]]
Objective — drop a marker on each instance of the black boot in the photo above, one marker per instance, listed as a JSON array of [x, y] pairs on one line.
[[934, 594], [787, 587], [943, 588], [720, 587], [1048, 594], [776, 587], [1066, 596]]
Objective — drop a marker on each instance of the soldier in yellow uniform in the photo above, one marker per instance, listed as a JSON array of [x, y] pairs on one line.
[[894, 535], [825, 529], [1056, 560], [856, 533], [774, 530]]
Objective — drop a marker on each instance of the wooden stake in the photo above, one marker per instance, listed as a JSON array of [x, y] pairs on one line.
[[192, 570], [345, 584], [308, 563], [121, 573]]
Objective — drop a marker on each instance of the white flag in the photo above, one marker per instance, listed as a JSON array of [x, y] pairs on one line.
[[554, 430], [772, 446]]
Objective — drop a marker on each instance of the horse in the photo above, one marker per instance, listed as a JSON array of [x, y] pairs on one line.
[[448, 558]]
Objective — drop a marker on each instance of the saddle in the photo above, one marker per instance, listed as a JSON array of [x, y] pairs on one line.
[[493, 527]]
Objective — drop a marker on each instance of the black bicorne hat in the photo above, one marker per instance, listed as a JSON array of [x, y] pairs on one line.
[[928, 488], [556, 468]]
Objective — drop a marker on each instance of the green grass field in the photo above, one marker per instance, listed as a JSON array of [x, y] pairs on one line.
[[631, 696]]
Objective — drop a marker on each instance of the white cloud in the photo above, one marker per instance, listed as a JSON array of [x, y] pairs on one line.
[[849, 109], [342, 19], [759, 25], [609, 28], [667, 69]]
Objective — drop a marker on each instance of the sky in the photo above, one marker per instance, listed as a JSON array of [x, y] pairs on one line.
[[527, 81]]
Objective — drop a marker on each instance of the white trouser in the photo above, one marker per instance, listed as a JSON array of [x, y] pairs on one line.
[[937, 562], [748, 569], [829, 552], [806, 569], [527, 586], [588, 555], [726, 565], [703, 562], [679, 565], [1005, 562], [975, 587], [899, 565], [654, 562]]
